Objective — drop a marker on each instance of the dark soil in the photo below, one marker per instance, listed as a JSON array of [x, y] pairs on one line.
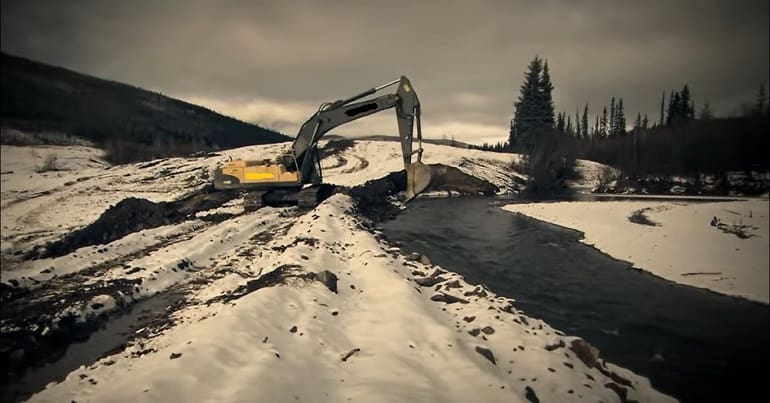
[[132, 215]]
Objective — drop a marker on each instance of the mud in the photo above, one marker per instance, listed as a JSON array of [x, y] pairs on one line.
[[132, 215]]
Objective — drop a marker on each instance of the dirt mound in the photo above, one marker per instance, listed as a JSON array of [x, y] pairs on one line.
[[372, 198], [132, 215]]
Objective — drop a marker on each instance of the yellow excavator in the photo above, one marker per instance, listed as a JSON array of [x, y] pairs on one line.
[[296, 176]]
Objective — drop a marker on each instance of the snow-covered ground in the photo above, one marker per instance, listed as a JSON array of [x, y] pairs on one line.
[[681, 245], [259, 323]]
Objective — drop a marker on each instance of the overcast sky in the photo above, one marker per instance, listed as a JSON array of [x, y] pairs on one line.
[[274, 62]]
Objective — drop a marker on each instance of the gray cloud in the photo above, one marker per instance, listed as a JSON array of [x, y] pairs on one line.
[[273, 62]]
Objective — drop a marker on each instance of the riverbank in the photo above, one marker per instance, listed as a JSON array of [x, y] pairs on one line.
[[721, 246]]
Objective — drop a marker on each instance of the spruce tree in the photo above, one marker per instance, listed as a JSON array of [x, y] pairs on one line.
[[638, 122], [585, 121], [560, 123], [645, 122], [662, 112], [620, 121], [578, 128], [568, 130], [546, 98], [612, 129], [603, 124], [525, 118], [673, 103], [684, 109], [759, 107]]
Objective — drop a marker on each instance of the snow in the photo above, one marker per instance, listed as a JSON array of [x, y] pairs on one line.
[[410, 348], [237, 345], [684, 248]]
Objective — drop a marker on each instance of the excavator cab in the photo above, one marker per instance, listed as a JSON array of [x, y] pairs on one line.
[[301, 166]]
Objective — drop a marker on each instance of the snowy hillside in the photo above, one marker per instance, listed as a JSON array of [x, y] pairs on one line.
[[277, 305], [719, 246]]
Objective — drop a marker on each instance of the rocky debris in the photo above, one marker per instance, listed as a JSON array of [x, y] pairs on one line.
[[469, 319], [447, 298], [615, 377], [174, 356], [428, 281], [530, 394], [350, 354], [486, 353], [474, 332], [586, 352], [488, 330], [558, 345], [453, 284], [638, 217], [293, 329], [478, 291], [621, 391]]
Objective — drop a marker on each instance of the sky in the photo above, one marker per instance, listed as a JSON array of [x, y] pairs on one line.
[[273, 62]]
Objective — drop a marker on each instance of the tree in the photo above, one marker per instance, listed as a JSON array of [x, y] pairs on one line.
[[578, 127], [584, 123], [613, 125], [546, 97], [759, 108], [673, 102], [560, 123], [603, 123], [534, 107], [568, 129], [662, 112], [645, 122], [620, 120], [705, 112], [638, 122]]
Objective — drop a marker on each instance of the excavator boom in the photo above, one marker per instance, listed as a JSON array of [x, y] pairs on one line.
[[302, 165]]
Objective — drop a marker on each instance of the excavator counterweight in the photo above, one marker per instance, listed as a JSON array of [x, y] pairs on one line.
[[296, 176]]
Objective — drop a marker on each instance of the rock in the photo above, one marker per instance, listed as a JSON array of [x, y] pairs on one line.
[[428, 281], [621, 391], [424, 260], [413, 257], [447, 298], [558, 345], [469, 319], [530, 394], [474, 332], [174, 356], [478, 291], [350, 353], [487, 330], [487, 353], [293, 329], [453, 284], [328, 279], [586, 352]]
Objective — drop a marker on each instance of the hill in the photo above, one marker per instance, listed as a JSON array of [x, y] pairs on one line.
[[132, 124]]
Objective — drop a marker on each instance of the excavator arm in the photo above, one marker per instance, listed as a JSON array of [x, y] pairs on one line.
[[331, 115], [302, 165]]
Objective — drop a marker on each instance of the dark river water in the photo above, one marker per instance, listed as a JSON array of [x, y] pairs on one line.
[[693, 344]]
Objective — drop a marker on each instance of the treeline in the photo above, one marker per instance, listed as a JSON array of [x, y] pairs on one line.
[[677, 142]]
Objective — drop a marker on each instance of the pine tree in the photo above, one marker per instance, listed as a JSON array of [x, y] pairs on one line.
[[684, 109], [759, 108], [620, 121], [595, 133], [546, 98], [578, 128], [705, 112], [673, 103], [645, 122], [662, 112], [612, 129], [638, 122], [525, 118], [603, 124], [568, 130], [560, 123], [584, 123], [534, 109]]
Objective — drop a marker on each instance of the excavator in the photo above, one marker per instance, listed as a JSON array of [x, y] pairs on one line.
[[296, 177]]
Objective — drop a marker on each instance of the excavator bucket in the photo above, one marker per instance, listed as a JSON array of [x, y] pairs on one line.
[[417, 179]]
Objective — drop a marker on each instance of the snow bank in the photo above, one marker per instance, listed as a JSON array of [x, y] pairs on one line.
[[381, 337], [681, 245]]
